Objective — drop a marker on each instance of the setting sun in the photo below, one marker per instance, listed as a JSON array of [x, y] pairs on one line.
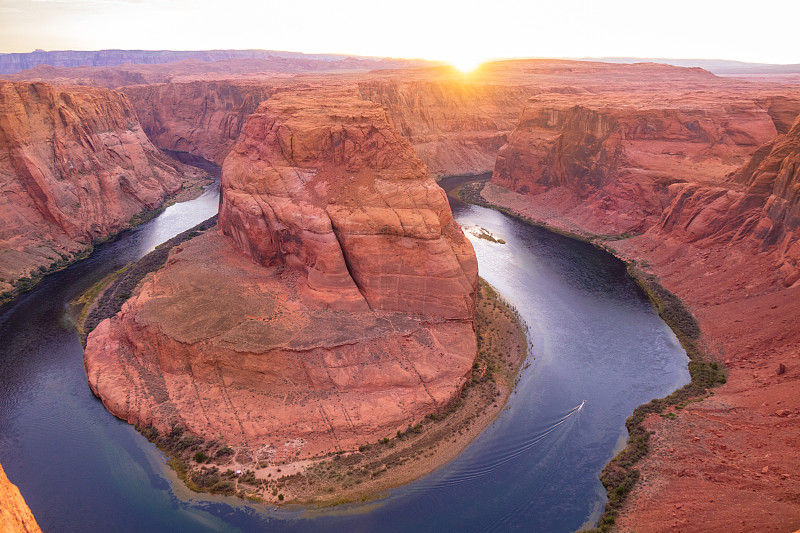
[[466, 64]]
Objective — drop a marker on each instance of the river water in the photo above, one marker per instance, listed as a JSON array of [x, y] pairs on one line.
[[595, 338]]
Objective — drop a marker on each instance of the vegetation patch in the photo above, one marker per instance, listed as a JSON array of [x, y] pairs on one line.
[[619, 476], [111, 300]]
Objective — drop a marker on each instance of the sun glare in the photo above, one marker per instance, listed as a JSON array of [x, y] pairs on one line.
[[466, 65]]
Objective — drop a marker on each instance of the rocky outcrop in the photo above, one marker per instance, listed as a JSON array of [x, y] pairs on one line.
[[764, 209], [608, 165], [334, 307], [203, 118], [15, 517], [75, 166], [455, 127]]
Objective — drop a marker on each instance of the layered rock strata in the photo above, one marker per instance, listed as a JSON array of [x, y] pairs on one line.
[[608, 165], [15, 516], [203, 117], [75, 166], [455, 126], [334, 306], [724, 241], [761, 205]]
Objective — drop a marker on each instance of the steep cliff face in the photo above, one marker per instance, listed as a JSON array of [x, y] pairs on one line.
[[75, 166], [204, 118], [763, 207], [610, 164], [335, 306], [15, 517], [376, 230], [455, 127]]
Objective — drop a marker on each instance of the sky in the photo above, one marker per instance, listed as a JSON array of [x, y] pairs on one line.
[[462, 31]]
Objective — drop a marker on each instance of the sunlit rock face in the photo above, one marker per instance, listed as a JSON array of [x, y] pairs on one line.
[[15, 516], [75, 166], [334, 306], [760, 205], [455, 126], [606, 161]]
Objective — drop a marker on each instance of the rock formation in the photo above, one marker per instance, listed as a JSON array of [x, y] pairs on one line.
[[764, 208], [607, 164], [334, 306], [455, 126], [15, 517], [709, 195], [202, 117], [75, 166]]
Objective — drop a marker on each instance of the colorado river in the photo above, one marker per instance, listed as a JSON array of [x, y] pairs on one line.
[[595, 339]]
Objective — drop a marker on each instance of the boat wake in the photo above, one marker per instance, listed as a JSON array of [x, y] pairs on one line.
[[508, 451]]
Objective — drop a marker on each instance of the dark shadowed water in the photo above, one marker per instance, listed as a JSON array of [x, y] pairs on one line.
[[595, 338]]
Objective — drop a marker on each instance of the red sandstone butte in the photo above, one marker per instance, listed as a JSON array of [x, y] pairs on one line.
[[334, 306], [75, 166]]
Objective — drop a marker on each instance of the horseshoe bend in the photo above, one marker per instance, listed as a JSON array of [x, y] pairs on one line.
[[333, 305], [327, 337]]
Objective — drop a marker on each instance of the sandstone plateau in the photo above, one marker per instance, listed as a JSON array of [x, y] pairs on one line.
[[334, 306], [15, 517], [75, 166]]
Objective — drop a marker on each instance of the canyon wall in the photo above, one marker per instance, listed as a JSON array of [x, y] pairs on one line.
[[608, 165], [15, 517], [333, 307], [455, 127], [705, 197], [202, 117], [764, 208], [75, 166]]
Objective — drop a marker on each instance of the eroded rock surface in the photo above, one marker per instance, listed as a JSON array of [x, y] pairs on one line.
[[607, 160], [75, 166], [201, 117], [761, 204], [334, 306], [15, 516]]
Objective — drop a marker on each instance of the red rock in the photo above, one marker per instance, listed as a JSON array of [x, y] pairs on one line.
[[15, 516], [75, 166], [720, 239], [294, 327], [348, 204], [615, 154], [201, 117], [455, 127]]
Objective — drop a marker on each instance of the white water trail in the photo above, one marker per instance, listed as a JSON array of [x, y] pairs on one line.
[[483, 468]]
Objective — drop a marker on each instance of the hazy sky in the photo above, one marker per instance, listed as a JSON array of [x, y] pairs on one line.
[[462, 30]]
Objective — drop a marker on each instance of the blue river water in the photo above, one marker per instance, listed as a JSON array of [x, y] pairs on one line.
[[595, 338]]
